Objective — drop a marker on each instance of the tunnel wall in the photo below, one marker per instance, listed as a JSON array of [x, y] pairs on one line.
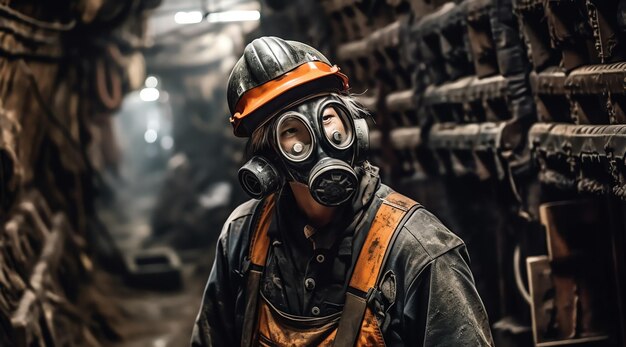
[[64, 68], [506, 119]]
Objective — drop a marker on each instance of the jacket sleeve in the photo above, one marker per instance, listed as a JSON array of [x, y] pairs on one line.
[[443, 307], [215, 324]]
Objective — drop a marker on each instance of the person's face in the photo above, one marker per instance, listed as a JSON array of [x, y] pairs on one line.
[[334, 126], [294, 137], [322, 121]]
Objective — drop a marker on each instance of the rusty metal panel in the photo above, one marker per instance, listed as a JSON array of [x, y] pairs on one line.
[[445, 35], [447, 103], [470, 149], [469, 99], [538, 269], [401, 101], [486, 136], [355, 59], [549, 92], [481, 38], [426, 34], [598, 93], [401, 106], [472, 105], [578, 308], [608, 38], [392, 69], [348, 20], [406, 138], [588, 158], [571, 33], [406, 142], [453, 136], [597, 79], [534, 27], [512, 63], [488, 100], [352, 20], [454, 42]]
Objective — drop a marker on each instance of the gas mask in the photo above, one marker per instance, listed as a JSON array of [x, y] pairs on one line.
[[316, 143]]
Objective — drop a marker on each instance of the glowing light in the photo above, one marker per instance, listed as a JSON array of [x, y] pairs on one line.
[[167, 142], [151, 82], [188, 17], [161, 342], [233, 16], [149, 94], [150, 136]]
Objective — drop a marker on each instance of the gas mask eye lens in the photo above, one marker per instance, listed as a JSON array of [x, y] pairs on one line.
[[337, 126], [294, 137]]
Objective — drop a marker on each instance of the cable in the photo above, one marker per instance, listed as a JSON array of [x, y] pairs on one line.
[[110, 99], [518, 276]]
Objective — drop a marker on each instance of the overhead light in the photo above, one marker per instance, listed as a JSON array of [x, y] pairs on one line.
[[233, 16], [167, 142], [149, 94], [151, 82], [191, 17], [150, 136]]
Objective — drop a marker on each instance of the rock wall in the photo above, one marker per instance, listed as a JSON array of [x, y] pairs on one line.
[[64, 68]]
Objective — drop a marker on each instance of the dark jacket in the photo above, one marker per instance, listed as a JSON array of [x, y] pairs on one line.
[[427, 288]]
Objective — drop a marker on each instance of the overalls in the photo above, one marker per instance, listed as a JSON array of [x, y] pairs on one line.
[[356, 325]]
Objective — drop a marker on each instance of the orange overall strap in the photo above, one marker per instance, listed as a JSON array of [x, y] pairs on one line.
[[369, 264], [259, 245]]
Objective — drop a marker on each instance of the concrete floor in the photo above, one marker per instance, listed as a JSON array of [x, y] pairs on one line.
[[150, 318], [134, 317]]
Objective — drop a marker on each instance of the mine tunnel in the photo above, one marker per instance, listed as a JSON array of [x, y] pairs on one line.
[[501, 123]]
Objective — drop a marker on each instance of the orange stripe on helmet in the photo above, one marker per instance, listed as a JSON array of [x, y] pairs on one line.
[[256, 97]]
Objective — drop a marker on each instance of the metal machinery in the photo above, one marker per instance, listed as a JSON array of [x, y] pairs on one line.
[[507, 119]]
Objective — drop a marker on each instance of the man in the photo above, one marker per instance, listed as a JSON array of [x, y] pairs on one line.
[[326, 254]]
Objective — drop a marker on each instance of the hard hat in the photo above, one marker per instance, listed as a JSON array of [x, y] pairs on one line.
[[274, 73]]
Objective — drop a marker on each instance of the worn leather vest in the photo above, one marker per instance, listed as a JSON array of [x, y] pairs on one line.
[[356, 325]]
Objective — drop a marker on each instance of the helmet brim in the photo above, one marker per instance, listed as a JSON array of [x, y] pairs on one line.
[[259, 103]]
